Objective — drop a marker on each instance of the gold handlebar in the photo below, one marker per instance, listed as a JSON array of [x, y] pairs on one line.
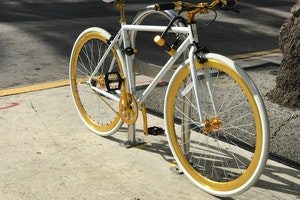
[[200, 8], [179, 5]]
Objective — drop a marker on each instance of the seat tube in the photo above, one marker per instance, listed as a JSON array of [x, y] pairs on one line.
[[130, 79]]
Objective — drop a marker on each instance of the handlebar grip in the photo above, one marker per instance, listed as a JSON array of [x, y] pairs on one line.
[[164, 6]]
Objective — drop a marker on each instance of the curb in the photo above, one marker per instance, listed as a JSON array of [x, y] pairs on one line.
[[32, 88], [62, 83], [254, 54]]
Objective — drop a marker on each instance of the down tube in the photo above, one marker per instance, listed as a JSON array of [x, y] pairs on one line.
[[164, 70]]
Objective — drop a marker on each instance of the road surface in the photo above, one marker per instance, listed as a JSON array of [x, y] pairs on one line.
[[36, 38]]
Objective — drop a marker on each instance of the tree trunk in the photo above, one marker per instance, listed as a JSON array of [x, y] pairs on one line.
[[287, 90]]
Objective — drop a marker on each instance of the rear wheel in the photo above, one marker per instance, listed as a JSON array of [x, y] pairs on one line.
[[98, 112], [224, 155]]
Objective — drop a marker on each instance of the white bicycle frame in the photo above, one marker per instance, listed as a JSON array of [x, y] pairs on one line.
[[123, 36], [192, 82]]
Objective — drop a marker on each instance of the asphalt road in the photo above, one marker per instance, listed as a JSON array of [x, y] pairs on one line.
[[36, 38]]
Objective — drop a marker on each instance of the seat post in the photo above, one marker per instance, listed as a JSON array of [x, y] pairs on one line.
[[120, 4]]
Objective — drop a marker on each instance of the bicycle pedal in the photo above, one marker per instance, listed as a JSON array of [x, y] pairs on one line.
[[113, 81], [156, 131]]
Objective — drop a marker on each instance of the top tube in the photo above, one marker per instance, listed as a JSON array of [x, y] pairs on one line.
[[148, 28]]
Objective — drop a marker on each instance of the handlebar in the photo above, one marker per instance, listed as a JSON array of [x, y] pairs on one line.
[[228, 5], [164, 6]]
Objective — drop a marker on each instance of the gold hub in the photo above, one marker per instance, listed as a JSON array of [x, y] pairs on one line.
[[212, 125], [101, 81]]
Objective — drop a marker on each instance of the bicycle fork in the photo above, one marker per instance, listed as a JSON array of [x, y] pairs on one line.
[[186, 115], [195, 82]]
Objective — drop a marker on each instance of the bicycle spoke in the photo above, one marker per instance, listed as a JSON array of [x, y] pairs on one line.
[[239, 127], [232, 108]]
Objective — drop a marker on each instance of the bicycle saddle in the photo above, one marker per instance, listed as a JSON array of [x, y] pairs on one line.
[[108, 1]]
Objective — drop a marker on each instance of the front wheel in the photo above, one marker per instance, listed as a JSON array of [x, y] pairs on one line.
[[225, 153], [99, 113]]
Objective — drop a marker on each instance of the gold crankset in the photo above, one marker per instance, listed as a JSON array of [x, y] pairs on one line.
[[128, 108]]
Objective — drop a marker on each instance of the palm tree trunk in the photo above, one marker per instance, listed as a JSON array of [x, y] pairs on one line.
[[287, 89]]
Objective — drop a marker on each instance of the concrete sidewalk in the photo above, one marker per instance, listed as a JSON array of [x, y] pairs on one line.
[[47, 153]]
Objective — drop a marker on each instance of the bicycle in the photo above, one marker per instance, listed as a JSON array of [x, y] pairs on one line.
[[215, 119]]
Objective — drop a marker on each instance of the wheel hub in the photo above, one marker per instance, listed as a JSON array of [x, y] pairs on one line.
[[100, 80], [212, 125]]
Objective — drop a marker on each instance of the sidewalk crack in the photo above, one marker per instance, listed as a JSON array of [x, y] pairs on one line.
[[44, 124], [294, 116]]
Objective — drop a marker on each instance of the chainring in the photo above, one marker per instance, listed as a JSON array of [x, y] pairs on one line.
[[128, 110]]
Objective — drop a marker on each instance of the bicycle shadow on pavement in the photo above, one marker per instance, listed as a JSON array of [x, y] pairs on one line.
[[283, 180], [275, 178], [154, 144], [275, 183]]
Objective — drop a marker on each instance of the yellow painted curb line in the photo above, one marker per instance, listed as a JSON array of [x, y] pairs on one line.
[[62, 83], [254, 54], [32, 88]]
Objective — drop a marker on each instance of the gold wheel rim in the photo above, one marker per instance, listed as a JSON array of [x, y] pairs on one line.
[[83, 40], [213, 185]]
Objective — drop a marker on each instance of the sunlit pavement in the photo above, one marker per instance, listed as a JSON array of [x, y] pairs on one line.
[[48, 153]]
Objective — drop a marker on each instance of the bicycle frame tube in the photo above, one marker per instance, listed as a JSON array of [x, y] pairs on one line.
[[129, 74], [123, 35], [128, 67], [195, 82], [147, 28], [164, 70]]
